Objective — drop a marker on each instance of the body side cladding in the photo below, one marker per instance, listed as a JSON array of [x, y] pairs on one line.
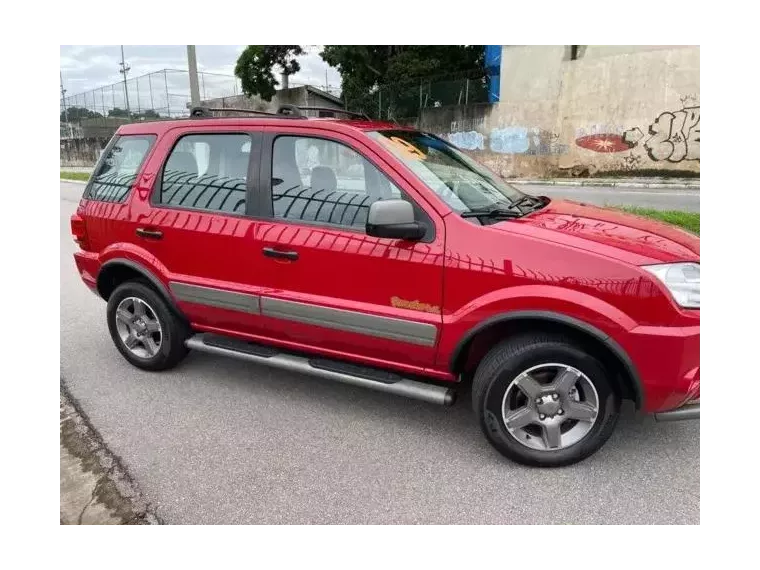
[[213, 297], [571, 322], [401, 330]]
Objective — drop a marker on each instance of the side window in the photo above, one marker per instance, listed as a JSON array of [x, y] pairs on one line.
[[207, 172], [318, 180], [118, 167]]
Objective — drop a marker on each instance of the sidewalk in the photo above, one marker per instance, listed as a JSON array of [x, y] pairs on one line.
[[663, 183], [95, 488]]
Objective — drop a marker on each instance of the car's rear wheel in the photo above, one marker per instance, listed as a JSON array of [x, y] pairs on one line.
[[144, 328], [542, 400]]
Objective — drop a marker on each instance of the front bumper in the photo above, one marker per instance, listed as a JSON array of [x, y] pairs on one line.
[[667, 361]]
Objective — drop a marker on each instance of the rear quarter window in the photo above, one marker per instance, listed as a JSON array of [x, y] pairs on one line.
[[118, 167]]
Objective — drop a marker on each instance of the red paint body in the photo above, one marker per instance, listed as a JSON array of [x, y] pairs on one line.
[[567, 258]]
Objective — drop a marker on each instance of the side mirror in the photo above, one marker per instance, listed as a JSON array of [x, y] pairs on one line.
[[393, 219]]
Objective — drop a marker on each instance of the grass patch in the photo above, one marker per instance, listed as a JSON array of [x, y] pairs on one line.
[[687, 220], [83, 176]]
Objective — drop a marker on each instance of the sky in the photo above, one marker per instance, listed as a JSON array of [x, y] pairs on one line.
[[86, 67]]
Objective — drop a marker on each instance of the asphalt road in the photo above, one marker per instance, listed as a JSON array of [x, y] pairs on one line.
[[659, 199], [217, 441]]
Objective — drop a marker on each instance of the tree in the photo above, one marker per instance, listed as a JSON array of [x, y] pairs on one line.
[[255, 67], [117, 112], [147, 114], [367, 72], [75, 114]]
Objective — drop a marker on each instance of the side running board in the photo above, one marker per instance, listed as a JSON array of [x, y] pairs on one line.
[[368, 377]]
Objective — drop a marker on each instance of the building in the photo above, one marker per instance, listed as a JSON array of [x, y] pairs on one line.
[[582, 110], [304, 95]]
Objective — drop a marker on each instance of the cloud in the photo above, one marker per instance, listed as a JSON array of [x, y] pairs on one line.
[[86, 65]]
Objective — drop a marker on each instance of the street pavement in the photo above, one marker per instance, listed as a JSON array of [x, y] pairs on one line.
[[218, 441], [657, 198]]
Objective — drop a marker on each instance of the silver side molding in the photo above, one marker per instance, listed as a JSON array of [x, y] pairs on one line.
[[351, 321], [213, 297], [402, 387], [402, 330]]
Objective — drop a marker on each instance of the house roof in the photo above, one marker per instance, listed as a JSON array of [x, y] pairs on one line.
[[324, 94]]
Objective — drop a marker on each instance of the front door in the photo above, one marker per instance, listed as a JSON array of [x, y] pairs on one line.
[[332, 286]]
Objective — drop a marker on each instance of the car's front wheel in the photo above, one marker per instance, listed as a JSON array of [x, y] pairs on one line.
[[143, 327], [542, 400]]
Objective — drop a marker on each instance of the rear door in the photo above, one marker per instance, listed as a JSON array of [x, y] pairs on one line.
[[197, 222], [330, 285], [105, 205]]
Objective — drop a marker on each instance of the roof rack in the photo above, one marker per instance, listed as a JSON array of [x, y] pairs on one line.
[[283, 112], [205, 112]]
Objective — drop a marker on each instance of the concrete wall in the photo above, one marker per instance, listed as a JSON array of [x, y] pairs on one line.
[[614, 109], [82, 151]]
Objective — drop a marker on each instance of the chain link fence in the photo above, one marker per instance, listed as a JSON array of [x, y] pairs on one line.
[[90, 118], [405, 101], [161, 94]]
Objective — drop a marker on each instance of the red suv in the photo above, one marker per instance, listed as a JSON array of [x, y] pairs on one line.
[[379, 255]]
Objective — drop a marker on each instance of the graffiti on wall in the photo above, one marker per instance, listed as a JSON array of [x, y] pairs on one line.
[[507, 140], [599, 129], [603, 142], [672, 136], [545, 143], [467, 125], [468, 140], [522, 140], [631, 161], [604, 138]]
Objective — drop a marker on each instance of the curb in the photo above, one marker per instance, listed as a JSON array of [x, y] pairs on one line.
[[93, 470], [608, 183], [74, 181]]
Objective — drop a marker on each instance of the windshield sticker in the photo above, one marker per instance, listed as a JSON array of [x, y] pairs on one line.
[[406, 148]]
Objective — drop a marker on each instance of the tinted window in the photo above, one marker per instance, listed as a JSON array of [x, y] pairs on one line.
[[318, 180], [118, 167], [207, 172]]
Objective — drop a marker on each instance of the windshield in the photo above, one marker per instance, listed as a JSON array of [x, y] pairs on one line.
[[461, 182]]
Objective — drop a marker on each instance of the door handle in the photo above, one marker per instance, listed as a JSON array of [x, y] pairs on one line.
[[272, 252], [149, 234]]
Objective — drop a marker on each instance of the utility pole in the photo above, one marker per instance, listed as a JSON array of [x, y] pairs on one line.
[[63, 100], [65, 109], [192, 67], [124, 69]]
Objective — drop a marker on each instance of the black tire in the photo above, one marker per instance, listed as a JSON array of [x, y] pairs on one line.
[[510, 358], [174, 331]]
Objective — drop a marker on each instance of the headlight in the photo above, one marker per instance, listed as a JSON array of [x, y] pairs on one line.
[[681, 279]]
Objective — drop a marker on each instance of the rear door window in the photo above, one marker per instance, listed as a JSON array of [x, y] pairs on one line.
[[118, 168], [207, 172]]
